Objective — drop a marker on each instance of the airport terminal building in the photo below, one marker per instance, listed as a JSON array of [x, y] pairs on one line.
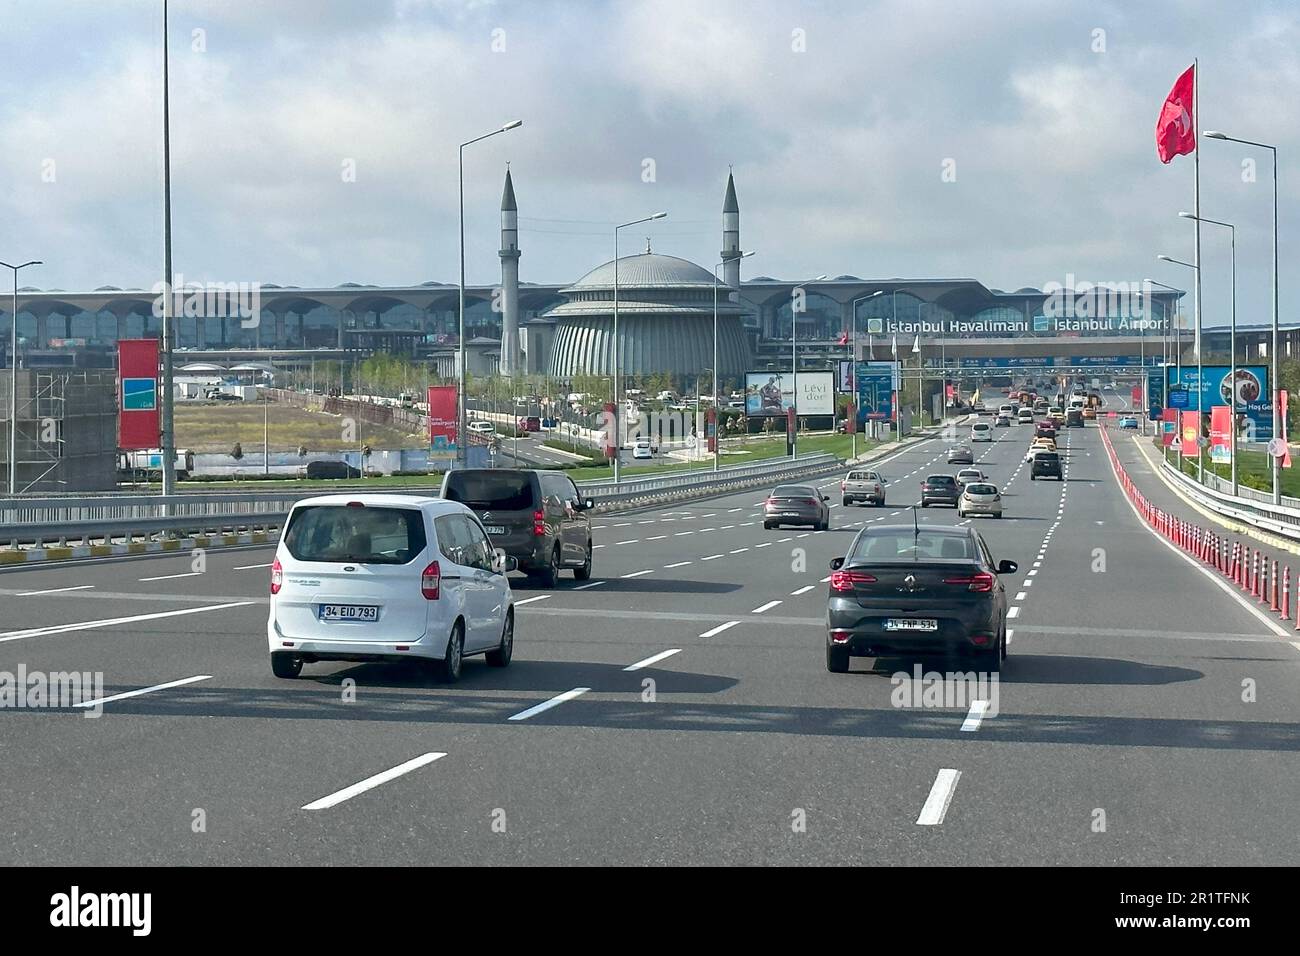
[[666, 309]]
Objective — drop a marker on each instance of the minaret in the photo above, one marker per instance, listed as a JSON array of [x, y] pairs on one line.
[[731, 236], [509, 279]]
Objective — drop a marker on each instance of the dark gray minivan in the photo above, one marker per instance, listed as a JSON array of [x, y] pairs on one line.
[[536, 517]]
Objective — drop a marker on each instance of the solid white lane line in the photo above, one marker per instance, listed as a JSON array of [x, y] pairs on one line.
[[654, 659], [637, 574], [936, 804], [583, 587], [1014, 611], [679, 564], [168, 577], [540, 597], [719, 629], [803, 590], [347, 793], [765, 607], [248, 567], [548, 704], [143, 690], [7, 636], [79, 587]]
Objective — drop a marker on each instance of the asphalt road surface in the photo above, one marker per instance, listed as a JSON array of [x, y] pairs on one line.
[[676, 709]]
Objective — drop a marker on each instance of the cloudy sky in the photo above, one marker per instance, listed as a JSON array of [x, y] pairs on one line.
[[314, 141]]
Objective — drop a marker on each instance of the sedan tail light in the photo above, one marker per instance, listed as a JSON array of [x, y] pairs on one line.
[[431, 582], [846, 580], [277, 576], [982, 581]]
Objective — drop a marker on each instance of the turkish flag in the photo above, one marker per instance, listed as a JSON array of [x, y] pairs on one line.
[[844, 339], [1176, 127]]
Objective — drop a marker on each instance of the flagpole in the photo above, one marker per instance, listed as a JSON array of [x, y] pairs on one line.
[[1196, 259]]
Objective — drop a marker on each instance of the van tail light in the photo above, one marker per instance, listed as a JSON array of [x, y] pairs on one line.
[[431, 582], [277, 576], [981, 582], [539, 523], [846, 580]]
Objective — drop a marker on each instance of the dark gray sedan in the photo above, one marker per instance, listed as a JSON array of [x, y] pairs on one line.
[[909, 590], [960, 455], [796, 504]]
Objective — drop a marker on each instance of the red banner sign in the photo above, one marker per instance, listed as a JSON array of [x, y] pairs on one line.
[[1191, 431], [1168, 426], [1220, 434], [612, 430], [138, 423], [443, 421]]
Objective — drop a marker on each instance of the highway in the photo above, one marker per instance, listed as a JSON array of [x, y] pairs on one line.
[[676, 709]]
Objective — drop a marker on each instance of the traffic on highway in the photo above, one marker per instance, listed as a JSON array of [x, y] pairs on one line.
[[647, 436]]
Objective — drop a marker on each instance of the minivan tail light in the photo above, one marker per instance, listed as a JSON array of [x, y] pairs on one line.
[[431, 582], [980, 582], [539, 523], [845, 580], [277, 576]]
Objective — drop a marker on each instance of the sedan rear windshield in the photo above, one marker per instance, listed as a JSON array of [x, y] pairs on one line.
[[906, 546], [793, 491], [357, 535], [491, 490]]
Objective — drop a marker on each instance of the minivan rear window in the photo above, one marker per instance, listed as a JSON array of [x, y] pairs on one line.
[[491, 490], [357, 535]]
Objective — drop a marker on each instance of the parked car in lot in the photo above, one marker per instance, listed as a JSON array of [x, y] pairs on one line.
[[961, 455], [798, 505], [362, 577], [539, 518], [863, 485], [1045, 464], [940, 490], [482, 427], [902, 590], [980, 498]]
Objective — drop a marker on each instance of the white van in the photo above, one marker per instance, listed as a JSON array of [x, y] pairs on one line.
[[1025, 416]]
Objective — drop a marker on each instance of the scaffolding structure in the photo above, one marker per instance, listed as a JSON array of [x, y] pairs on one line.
[[67, 430]]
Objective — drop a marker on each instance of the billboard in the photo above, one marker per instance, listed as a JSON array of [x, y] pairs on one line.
[[1251, 388], [876, 387], [442, 422], [1155, 393], [772, 393], [137, 389]]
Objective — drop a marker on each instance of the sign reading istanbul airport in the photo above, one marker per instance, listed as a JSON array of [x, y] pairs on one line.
[[772, 393]]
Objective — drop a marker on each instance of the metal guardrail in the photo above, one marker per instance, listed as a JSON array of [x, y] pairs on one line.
[[82, 519], [1260, 512]]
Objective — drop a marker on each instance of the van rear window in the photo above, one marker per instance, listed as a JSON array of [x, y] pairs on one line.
[[491, 490], [339, 533]]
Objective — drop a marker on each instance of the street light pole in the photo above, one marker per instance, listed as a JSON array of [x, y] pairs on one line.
[[794, 369], [1179, 348], [13, 379], [618, 378], [1232, 339], [461, 438], [853, 355], [1170, 343], [717, 417], [1274, 370]]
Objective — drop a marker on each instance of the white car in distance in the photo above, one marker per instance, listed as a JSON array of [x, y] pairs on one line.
[[387, 578]]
